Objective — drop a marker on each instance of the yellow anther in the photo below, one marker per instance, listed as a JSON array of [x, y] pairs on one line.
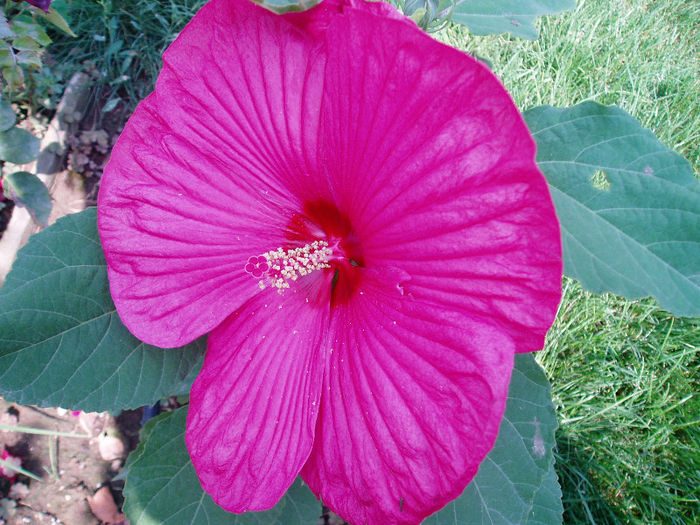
[[286, 266]]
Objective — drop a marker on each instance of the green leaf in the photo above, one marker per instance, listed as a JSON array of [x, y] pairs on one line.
[[111, 104], [7, 56], [18, 146], [64, 9], [44, 39], [26, 43], [429, 15], [5, 30], [629, 207], [162, 487], [517, 17], [286, 6], [61, 340], [26, 189], [12, 74], [25, 26], [547, 506], [516, 483], [28, 58], [7, 115]]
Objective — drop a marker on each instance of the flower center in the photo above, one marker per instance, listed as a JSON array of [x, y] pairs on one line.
[[320, 238], [280, 267]]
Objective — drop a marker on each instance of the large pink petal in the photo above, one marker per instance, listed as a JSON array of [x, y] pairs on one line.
[[435, 168], [210, 170], [253, 407], [245, 85], [412, 403]]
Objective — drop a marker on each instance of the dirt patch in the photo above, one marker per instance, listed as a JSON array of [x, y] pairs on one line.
[[70, 469]]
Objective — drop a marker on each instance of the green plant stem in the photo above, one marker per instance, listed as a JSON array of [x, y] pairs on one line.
[[41, 431], [8, 465]]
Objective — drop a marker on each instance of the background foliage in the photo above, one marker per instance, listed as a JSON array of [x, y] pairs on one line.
[[120, 44]]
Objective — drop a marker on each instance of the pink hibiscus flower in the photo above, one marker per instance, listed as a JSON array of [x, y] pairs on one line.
[[353, 212]]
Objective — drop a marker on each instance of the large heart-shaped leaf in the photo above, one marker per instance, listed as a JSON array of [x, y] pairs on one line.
[[629, 207], [516, 483], [26, 189], [517, 17], [61, 340], [162, 487]]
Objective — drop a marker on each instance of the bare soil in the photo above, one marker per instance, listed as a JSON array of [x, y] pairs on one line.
[[71, 469]]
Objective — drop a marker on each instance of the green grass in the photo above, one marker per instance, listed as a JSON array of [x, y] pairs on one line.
[[643, 55], [624, 374], [625, 382], [120, 43]]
